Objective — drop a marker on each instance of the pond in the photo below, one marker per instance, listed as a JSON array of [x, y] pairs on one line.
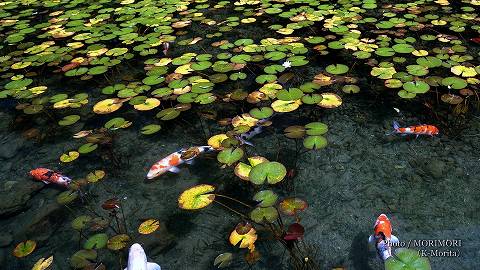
[[239, 134]]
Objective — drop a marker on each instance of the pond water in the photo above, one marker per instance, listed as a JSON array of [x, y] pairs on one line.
[[101, 90]]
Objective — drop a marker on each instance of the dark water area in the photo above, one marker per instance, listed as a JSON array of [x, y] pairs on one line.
[[278, 56]]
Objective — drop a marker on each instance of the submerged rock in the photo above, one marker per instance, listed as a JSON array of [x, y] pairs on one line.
[[14, 196], [10, 145]]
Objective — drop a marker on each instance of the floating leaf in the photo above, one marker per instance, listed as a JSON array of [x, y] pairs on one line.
[[87, 148], [96, 241], [148, 226], [168, 114], [67, 197], [24, 248], [337, 69], [43, 263], [272, 172], [69, 157], [216, 140], [196, 197], [80, 222], [316, 128], [83, 258], [266, 198], [295, 132], [285, 106], [223, 260], [150, 129], [261, 113], [330, 100], [407, 259], [294, 232], [291, 206], [69, 120], [107, 106], [315, 142], [95, 176], [246, 240], [118, 242], [229, 155], [242, 170], [264, 214]]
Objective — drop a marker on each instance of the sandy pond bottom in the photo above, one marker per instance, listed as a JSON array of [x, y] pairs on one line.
[[427, 186]]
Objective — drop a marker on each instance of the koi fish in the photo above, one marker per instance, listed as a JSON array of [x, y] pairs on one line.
[[171, 162], [253, 132], [166, 46], [48, 176], [137, 259], [415, 130], [382, 237], [476, 40]]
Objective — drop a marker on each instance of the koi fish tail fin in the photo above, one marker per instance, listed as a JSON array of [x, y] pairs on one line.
[[394, 239], [67, 180], [396, 126], [371, 239]]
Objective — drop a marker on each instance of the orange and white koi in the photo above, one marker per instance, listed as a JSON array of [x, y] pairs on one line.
[[415, 130], [48, 176], [382, 237], [171, 162]]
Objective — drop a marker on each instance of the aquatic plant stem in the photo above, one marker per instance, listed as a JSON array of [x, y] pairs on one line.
[[233, 210], [124, 220], [233, 199]]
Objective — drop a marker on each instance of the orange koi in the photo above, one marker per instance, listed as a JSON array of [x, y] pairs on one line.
[[382, 237], [415, 130], [48, 176]]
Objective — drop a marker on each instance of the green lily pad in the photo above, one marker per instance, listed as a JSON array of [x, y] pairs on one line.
[[67, 197], [454, 82], [261, 113], [87, 148], [150, 129], [96, 241], [271, 171], [417, 87], [33, 109], [337, 69], [351, 89], [290, 94], [406, 259], [69, 120], [229, 155], [264, 214], [316, 128], [315, 142], [80, 222], [406, 94], [83, 258], [168, 114], [312, 99], [265, 198], [290, 206]]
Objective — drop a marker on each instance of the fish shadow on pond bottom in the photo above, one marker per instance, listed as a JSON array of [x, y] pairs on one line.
[[359, 252]]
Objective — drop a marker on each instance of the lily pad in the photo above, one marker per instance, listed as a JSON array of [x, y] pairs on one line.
[[261, 113], [265, 198], [315, 142], [87, 148], [316, 128], [148, 226], [150, 129], [295, 132], [81, 222], [330, 100], [69, 120], [229, 156], [272, 172], [290, 206], [69, 157], [118, 242], [407, 259], [264, 214], [337, 69], [24, 248], [223, 260], [196, 197], [168, 114], [67, 197], [96, 241], [43, 263], [246, 240], [107, 106], [83, 258]]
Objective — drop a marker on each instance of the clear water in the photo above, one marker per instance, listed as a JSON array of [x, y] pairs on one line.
[[428, 186]]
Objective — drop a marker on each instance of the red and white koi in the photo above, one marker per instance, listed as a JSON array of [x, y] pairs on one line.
[[48, 176], [171, 162], [415, 130], [382, 237], [166, 46]]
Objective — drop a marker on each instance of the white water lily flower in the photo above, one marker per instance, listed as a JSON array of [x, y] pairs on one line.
[[287, 64]]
